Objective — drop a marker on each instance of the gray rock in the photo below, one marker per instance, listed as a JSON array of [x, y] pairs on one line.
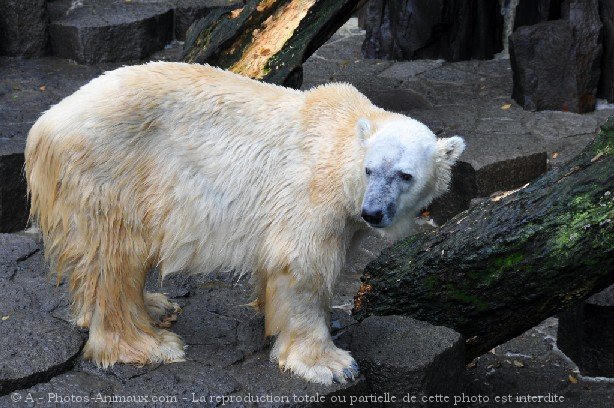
[[544, 65], [375, 19], [388, 91], [586, 49], [410, 69], [402, 356], [603, 298], [405, 29], [23, 27], [217, 326], [394, 99], [606, 83], [25, 283], [583, 15], [13, 249], [583, 334], [412, 29], [494, 166], [13, 197], [15, 297], [32, 290], [34, 349], [109, 31]]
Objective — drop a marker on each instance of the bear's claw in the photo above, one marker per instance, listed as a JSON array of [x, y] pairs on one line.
[[349, 374], [162, 311]]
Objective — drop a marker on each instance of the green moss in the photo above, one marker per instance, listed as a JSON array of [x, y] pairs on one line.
[[586, 212], [496, 267], [457, 294], [508, 261], [430, 282]]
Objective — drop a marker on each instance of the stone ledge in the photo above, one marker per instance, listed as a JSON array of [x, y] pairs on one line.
[[36, 349], [401, 355], [117, 30], [109, 31]]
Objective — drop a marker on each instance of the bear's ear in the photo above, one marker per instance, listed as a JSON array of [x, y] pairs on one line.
[[363, 129], [450, 149]]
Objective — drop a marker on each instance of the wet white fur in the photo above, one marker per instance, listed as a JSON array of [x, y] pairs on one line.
[[193, 168], [407, 146]]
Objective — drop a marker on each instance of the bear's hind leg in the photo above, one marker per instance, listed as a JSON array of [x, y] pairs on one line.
[[162, 311], [121, 327], [297, 310]]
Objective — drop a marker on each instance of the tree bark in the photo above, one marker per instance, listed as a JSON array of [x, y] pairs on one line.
[[500, 268], [267, 39]]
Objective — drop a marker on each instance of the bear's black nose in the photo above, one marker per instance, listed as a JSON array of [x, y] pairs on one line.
[[372, 217]]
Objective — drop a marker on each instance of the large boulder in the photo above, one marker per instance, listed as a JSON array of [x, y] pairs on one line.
[[393, 34], [23, 27], [584, 334], [544, 66], [453, 30], [583, 15], [586, 44], [606, 84]]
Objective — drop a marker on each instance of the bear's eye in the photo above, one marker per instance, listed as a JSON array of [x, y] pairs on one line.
[[368, 171], [405, 176]]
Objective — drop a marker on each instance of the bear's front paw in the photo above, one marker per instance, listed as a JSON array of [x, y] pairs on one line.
[[323, 365]]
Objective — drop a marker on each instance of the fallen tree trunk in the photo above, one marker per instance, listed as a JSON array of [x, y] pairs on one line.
[[500, 268], [267, 39]]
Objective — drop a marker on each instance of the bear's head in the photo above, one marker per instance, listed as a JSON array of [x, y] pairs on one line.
[[405, 167]]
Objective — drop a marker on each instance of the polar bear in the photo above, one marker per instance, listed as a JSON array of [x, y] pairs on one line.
[[189, 167]]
